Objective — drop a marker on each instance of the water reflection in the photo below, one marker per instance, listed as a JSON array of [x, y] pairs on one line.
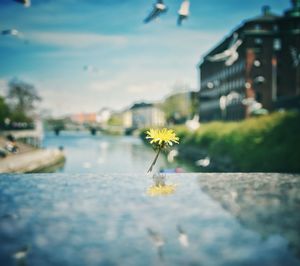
[[159, 187], [105, 154]]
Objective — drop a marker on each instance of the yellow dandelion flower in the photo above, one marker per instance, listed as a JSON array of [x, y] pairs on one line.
[[162, 137], [161, 190]]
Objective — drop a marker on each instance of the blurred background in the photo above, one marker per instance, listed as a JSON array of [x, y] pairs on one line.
[[81, 81]]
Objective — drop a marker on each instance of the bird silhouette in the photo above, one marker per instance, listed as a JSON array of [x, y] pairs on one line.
[[183, 237], [295, 56], [25, 3], [193, 124], [203, 162], [12, 32], [158, 9], [230, 55], [158, 241], [183, 11], [91, 69], [20, 255]]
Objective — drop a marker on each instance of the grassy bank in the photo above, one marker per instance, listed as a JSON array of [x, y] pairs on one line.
[[269, 143]]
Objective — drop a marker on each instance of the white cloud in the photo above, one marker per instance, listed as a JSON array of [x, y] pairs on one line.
[[136, 88], [147, 88], [75, 40], [144, 70], [102, 85]]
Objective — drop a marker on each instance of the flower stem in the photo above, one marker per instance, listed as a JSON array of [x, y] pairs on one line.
[[155, 159]]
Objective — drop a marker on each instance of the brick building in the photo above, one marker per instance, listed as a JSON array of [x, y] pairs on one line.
[[256, 67]]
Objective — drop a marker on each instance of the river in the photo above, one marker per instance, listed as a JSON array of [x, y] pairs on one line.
[[106, 154]]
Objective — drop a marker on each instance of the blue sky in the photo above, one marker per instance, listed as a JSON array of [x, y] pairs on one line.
[[133, 61]]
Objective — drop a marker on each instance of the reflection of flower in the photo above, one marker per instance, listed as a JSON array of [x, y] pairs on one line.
[[161, 190], [160, 139], [159, 179]]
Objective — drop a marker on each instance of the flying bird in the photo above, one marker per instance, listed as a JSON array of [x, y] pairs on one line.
[[295, 56], [230, 55], [183, 12], [20, 255], [158, 241], [25, 3], [91, 69], [193, 124], [203, 162], [12, 32], [158, 9], [183, 237]]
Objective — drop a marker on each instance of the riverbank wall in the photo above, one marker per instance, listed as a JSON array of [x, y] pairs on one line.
[[269, 143], [39, 160], [30, 159]]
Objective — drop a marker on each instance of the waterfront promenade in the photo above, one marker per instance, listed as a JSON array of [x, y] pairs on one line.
[[29, 159]]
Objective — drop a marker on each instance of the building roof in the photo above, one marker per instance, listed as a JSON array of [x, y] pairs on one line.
[[295, 10], [266, 16], [141, 105]]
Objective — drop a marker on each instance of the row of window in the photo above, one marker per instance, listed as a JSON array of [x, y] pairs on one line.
[[233, 98], [225, 73], [208, 105], [237, 84]]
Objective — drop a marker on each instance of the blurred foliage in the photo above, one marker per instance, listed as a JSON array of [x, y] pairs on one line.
[[179, 107], [22, 96], [55, 124], [13, 119], [115, 120], [4, 112], [16, 109], [268, 143]]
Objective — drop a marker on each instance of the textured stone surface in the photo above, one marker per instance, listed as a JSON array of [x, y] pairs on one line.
[[211, 219], [267, 203]]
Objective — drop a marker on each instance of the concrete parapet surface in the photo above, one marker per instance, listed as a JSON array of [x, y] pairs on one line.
[[96, 219]]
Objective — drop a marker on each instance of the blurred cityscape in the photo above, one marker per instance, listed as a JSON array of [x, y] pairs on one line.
[[253, 71]]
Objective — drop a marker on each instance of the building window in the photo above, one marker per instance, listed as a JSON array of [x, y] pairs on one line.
[[258, 96], [217, 83], [241, 66], [257, 27], [242, 83]]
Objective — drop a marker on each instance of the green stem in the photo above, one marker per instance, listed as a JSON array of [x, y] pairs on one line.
[[155, 159]]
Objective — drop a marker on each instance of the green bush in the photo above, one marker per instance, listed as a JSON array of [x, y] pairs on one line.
[[268, 143]]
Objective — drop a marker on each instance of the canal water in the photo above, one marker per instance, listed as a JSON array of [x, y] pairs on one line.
[[107, 154]]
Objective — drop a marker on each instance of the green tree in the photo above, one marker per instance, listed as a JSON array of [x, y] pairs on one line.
[[178, 107], [22, 96], [115, 120], [4, 112]]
